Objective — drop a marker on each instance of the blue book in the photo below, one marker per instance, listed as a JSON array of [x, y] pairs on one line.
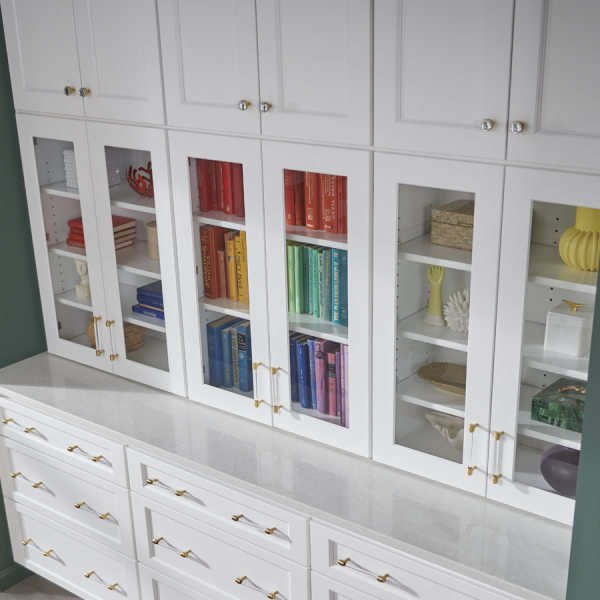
[[305, 269], [149, 312], [303, 374], [344, 287], [245, 356], [335, 287], [152, 290], [150, 301], [327, 287], [213, 337], [312, 369], [227, 354]]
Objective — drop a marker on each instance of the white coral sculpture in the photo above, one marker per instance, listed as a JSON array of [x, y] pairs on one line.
[[452, 429], [457, 312]]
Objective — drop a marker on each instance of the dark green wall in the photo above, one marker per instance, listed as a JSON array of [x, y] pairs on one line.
[[22, 333]]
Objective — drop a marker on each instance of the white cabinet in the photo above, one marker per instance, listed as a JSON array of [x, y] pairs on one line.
[[555, 84], [441, 69]]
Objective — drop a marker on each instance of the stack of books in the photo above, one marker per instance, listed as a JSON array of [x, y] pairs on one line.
[[220, 187], [150, 300], [224, 263], [316, 201], [123, 230], [230, 353], [319, 375], [318, 281]]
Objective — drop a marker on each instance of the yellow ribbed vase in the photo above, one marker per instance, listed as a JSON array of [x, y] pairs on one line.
[[579, 245]]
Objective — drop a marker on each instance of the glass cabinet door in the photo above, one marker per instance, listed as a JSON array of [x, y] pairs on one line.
[[436, 249], [133, 207], [318, 216], [61, 205], [548, 278], [217, 187]]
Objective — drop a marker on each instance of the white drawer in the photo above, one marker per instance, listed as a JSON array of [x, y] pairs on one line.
[[199, 555], [323, 588], [54, 488], [55, 438], [402, 577], [216, 504], [72, 556]]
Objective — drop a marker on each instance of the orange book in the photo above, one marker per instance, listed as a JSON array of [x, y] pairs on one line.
[[311, 201], [342, 207], [328, 196], [299, 197], [211, 240], [288, 197]]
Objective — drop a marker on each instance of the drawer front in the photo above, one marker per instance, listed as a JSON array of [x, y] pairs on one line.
[[257, 522], [323, 588], [72, 555], [56, 490], [400, 577], [197, 554], [88, 452], [154, 585]]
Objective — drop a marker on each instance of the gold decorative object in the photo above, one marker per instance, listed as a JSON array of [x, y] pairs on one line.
[[134, 335], [577, 388], [446, 376], [573, 306], [579, 245]]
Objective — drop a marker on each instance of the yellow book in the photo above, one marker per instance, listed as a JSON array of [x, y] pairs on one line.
[[244, 266], [238, 266], [232, 271]]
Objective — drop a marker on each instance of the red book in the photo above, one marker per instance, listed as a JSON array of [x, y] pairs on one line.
[[311, 201], [76, 230], [124, 238], [212, 176], [76, 237], [203, 185], [342, 207], [328, 195], [223, 272], [332, 381], [120, 245], [227, 189], [288, 195], [76, 243], [237, 189], [124, 233], [220, 186], [211, 240], [299, 197], [119, 223]]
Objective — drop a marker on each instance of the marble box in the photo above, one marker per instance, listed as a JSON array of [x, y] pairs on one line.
[[569, 331], [558, 406]]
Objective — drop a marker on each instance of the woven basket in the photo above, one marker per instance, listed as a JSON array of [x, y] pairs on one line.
[[134, 336]]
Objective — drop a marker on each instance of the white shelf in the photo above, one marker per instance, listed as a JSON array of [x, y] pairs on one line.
[[70, 298], [413, 328], [316, 237], [428, 440], [64, 249], [311, 412], [128, 295], [546, 267], [135, 259], [416, 391], [154, 354], [535, 357], [421, 250], [60, 189], [216, 217], [309, 325], [542, 431], [226, 306], [122, 196]]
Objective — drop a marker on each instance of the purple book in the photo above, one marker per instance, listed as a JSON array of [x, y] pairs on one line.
[[322, 347], [347, 389], [338, 381], [343, 385]]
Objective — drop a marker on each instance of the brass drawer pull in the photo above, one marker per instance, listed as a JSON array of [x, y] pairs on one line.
[[182, 553], [80, 451], [270, 596], [495, 475], [178, 493], [19, 474], [100, 580], [23, 429], [381, 578], [270, 530], [99, 515], [36, 547], [246, 521]]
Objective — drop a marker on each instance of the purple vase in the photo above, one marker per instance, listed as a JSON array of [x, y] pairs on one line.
[[559, 466]]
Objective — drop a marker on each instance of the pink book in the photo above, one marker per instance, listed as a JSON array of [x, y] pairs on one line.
[[347, 389], [332, 382], [342, 388], [321, 349], [338, 381]]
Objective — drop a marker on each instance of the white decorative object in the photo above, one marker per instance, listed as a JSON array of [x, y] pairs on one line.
[[113, 167], [569, 329], [457, 312], [82, 289], [452, 429], [70, 168], [152, 233]]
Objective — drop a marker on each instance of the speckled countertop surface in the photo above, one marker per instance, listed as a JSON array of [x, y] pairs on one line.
[[503, 547]]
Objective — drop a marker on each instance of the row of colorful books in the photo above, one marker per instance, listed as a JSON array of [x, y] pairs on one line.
[[318, 281], [123, 230], [224, 263], [230, 353], [220, 187], [316, 201], [150, 300], [319, 375]]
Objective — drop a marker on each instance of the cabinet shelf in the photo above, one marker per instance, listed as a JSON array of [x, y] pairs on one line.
[[416, 391], [311, 412], [309, 325], [153, 354], [135, 259], [70, 298], [421, 250], [63, 249], [226, 306], [60, 189], [413, 328], [216, 217], [546, 267], [317, 237]]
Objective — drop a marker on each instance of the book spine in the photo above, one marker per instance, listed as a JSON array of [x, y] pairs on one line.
[[227, 358], [311, 201], [207, 263], [342, 388], [322, 283], [342, 208], [76, 236], [288, 194], [76, 230], [335, 294], [299, 197], [347, 389], [327, 284], [328, 195], [305, 283], [344, 288], [232, 270], [216, 240], [220, 186], [213, 338], [142, 310], [238, 268], [293, 369], [160, 310], [315, 281], [212, 176], [237, 189], [75, 243], [331, 385], [243, 359], [150, 300], [299, 278], [338, 383], [149, 294], [309, 308], [203, 184], [227, 189], [313, 373], [303, 379], [320, 375], [291, 277], [249, 357], [235, 358], [222, 261], [244, 267]]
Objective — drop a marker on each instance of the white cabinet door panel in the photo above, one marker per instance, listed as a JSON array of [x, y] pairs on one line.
[[440, 69]]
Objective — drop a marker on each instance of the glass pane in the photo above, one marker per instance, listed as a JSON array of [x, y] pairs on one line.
[[317, 278], [433, 278]]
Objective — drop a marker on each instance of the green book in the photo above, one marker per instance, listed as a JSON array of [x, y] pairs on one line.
[[299, 278], [305, 269], [321, 254], [291, 277], [315, 281], [327, 284], [309, 265]]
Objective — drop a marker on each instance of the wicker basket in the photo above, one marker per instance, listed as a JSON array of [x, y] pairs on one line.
[[134, 336], [452, 224]]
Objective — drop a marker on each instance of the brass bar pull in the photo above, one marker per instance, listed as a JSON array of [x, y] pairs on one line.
[[47, 553], [182, 553], [100, 352], [23, 429], [236, 517], [88, 575], [185, 554], [257, 403], [274, 370], [272, 595], [25, 542], [29, 429], [97, 458], [241, 579], [79, 505], [113, 356], [495, 478], [15, 475], [166, 487], [276, 408], [19, 474], [71, 448], [151, 481], [156, 540], [343, 562], [6, 421], [495, 475], [472, 428], [270, 530], [109, 323], [113, 586], [382, 578], [36, 485], [80, 451]]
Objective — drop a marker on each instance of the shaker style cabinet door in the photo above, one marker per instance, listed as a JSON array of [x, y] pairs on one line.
[[315, 69], [210, 64], [442, 75], [555, 84], [42, 55], [119, 56]]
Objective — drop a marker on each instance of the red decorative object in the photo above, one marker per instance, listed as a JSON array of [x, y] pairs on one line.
[[141, 184]]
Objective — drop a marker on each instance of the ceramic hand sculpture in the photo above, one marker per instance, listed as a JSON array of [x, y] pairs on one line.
[[435, 316], [579, 245], [82, 289]]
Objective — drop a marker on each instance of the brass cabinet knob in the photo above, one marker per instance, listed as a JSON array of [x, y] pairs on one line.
[[113, 356], [96, 319], [470, 470], [342, 562], [276, 408], [100, 352], [516, 127], [109, 323], [495, 478], [71, 448], [382, 578], [487, 125], [257, 403], [103, 516], [83, 92], [79, 504], [68, 90], [274, 370], [6, 421], [243, 104], [151, 481], [25, 542], [498, 435], [270, 530], [256, 365], [264, 107]]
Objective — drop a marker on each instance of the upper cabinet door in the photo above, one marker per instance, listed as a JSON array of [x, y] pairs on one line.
[[42, 55], [210, 64], [315, 69], [555, 86], [119, 55], [442, 69]]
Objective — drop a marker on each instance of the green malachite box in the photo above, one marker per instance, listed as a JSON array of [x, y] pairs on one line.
[[562, 409]]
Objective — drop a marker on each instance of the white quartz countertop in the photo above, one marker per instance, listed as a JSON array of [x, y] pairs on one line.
[[506, 548]]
